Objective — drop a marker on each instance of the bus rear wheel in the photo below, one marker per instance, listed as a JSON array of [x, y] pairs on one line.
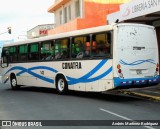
[[14, 85], [61, 85]]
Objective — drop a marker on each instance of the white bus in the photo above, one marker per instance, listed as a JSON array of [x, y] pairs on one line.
[[95, 59]]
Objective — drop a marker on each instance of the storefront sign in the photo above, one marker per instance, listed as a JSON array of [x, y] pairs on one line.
[[43, 29], [46, 27], [43, 32], [138, 8]]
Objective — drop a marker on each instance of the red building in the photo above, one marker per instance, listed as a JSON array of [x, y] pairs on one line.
[[79, 14]]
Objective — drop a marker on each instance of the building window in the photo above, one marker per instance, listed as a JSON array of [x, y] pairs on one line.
[[77, 8], [65, 14], [69, 12], [61, 17]]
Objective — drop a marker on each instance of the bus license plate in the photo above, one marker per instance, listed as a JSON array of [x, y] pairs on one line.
[[139, 71]]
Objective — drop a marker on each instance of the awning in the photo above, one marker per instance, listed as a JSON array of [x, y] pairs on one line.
[[140, 11]]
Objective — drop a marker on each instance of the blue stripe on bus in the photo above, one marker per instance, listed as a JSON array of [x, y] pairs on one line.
[[23, 70], [137, 62], [84, 79], [6, 80], [86, 76], [41, 77], [17, 68], [94, 70]]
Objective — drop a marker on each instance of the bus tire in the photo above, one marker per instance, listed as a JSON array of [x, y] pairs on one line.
[[14, 85], [61, 85]]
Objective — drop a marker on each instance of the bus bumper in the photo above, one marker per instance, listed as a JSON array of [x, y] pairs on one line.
[[136, 81]]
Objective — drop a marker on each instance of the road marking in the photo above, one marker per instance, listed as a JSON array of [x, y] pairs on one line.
[[123, 117]]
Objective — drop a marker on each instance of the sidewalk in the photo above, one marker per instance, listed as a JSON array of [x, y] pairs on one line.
[[151, 92]]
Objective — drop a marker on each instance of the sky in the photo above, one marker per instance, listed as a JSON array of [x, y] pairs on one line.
[[23, 15]]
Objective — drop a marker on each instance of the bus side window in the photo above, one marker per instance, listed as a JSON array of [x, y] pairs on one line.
[[87, 47], [78, 43], [47, 51], [101, 45], [79, 47], [62, 48], [22, 52], [57, 49], [5, 56], [13, 54], [65, 48], [33, 51]]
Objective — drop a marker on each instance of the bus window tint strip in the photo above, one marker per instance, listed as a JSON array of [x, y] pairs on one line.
[[79, 47]]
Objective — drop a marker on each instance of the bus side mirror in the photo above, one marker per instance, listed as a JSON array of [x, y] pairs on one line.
[[5, 53], [5, 59]]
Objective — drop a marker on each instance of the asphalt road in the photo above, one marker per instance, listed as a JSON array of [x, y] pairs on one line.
[[31, 103]]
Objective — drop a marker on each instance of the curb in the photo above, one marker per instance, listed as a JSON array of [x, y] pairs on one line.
[[143, 95]]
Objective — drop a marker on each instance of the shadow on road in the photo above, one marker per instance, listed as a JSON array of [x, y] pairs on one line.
[[113, 96]]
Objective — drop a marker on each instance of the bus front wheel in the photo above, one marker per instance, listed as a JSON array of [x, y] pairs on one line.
[[14, 83], [61, 85]]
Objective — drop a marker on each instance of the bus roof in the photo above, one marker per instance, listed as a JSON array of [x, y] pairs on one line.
[[72, 33], [63, 35], [135, 24]]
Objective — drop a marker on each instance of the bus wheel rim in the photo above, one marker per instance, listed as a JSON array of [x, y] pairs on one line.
[[14, 83], [61, 84]]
